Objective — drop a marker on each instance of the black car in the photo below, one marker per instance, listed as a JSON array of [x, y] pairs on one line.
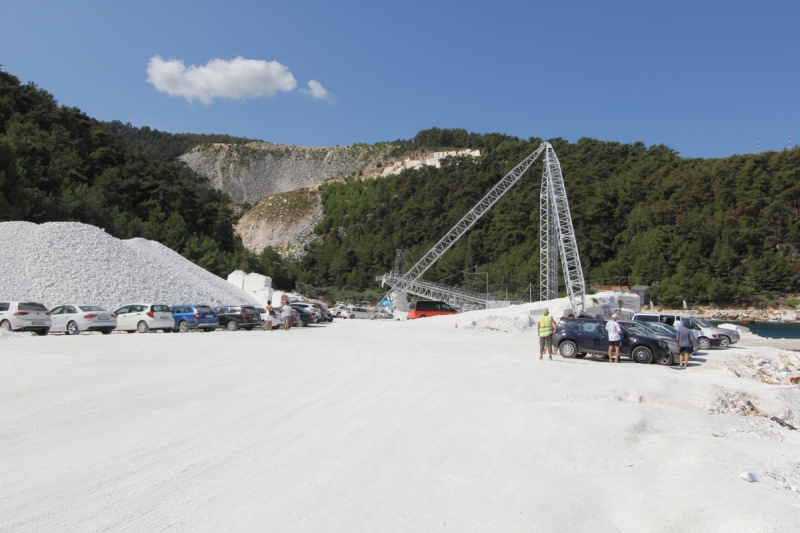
[[233, 317], [576, 337], [306, 316]]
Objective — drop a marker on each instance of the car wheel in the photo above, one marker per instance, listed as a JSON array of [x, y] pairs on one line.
[[642, 354], [703, 343], [724, 341], [666, 360], [6, 325], [142, 327], [72, 328], [568, 349], [106, 331], [352, 316], [183, 326], [43, 332], [231, 325]]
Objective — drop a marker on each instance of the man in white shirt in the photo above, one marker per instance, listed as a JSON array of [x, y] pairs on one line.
[[614, 337], [286, 311], [678, 324]]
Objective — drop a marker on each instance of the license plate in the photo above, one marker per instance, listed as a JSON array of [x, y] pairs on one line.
[[38, 322], [103, 317], [209, 316], [165, 318]]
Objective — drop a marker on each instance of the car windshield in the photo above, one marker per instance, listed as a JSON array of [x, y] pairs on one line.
[[202, 308], [90, 308], [637, 329], [701, 322], [32, 307], [161, 309]]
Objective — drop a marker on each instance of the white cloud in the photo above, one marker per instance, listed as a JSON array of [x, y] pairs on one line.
[[316, 90], [236, 79]]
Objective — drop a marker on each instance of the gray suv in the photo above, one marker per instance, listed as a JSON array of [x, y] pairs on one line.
[[707, 335]]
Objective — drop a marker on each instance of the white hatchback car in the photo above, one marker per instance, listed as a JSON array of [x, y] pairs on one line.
[[72, 319], [25, 316], [355, 312], [144, 317]]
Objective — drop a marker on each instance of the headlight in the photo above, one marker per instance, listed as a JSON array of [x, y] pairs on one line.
[[662, 344]]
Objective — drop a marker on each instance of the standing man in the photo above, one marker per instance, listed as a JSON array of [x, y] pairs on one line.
[[286, 310], [685, 339], [614, 337], [546, 327], [678, 324]]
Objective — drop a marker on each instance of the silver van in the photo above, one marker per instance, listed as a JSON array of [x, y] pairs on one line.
[[707, 335]]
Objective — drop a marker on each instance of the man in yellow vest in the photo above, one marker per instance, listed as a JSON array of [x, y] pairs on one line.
[[546, 328]]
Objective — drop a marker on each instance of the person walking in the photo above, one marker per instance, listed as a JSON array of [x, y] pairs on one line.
[[685, 339], [614, 331], [286, 310], [270, 315], [546, 327]]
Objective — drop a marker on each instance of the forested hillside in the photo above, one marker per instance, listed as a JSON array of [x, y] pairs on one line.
[[164, 146], [716, 230], [57, 164]]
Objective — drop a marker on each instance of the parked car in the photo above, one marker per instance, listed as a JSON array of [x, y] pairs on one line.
[[25, 316], [262, 311], [643, 328], [576, 337], [336, 310], [384, 314], [326, 314], [144, 317], [707, 335], [72, 319], [308, 306], [187, 317], [233, 317], [306, 315], [426, 308], [352, 311]]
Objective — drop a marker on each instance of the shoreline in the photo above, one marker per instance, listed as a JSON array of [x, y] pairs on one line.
[[756, 341]]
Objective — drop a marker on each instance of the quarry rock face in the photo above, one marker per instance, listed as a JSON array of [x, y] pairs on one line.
[[250, 172], [283, 221]]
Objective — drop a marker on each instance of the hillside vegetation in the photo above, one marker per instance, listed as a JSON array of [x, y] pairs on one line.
[[58, 164], [715, 230]]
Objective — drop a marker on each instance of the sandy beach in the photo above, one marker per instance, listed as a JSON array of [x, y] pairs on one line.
[[385, 426]]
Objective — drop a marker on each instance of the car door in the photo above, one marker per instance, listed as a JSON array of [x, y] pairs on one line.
[[137, 314], [592, 337], [59, 320], [69, 313], [123, 318]]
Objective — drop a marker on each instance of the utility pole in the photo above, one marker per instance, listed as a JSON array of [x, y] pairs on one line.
[[758, 145]]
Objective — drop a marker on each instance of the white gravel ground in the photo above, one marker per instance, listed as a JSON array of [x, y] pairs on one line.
[[68, 262], [381, 426]]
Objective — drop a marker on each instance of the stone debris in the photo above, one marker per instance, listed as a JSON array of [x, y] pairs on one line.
[[782, 370], [749, 477], [68, 262]]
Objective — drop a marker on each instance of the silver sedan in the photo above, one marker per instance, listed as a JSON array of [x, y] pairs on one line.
[[72, 319]]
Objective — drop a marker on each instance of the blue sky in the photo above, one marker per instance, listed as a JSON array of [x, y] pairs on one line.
[[705, 78]]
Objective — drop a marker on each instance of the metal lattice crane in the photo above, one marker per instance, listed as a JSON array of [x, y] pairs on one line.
[[555, 230]]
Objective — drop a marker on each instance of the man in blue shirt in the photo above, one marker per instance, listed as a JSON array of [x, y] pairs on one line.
[[685, 341]]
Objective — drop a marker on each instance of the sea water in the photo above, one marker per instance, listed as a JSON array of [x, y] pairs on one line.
[[771, 330]]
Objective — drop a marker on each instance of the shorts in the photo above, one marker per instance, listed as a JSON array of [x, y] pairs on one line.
[[547, 340], [686, 349], [615, 343]]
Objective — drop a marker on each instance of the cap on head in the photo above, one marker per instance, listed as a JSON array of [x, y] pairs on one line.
[[614, 315], [546, 311]]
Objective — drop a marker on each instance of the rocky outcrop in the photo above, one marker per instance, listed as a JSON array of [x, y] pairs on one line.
[[283, 221], [250, 172]]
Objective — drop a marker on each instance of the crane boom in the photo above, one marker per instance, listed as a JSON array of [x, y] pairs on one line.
[[463, 225]]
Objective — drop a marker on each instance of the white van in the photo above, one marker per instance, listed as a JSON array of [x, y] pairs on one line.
[[707, 335]]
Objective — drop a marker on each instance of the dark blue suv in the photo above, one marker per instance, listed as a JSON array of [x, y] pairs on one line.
[[194, 317], [575, 337]]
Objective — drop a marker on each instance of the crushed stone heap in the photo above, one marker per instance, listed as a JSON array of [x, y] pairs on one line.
[[67, 262]]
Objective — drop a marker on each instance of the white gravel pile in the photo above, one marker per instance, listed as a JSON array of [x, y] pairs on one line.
[[67, 262]]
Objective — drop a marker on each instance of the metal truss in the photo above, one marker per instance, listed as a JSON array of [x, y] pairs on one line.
[[556, 239], [437, 291], [560, 220], [463, 225]]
